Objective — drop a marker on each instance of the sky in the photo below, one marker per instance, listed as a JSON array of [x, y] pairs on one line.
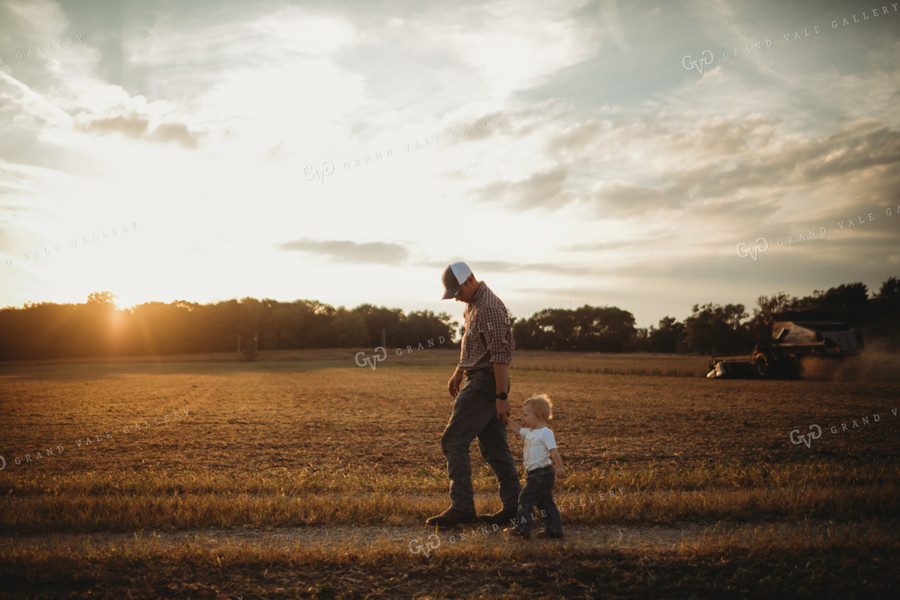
[[648, 155]]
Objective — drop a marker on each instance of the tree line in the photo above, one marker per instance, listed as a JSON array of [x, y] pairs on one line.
[[729, 329], [97, 328]]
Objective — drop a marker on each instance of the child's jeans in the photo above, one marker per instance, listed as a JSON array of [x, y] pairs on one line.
[[538, 491]]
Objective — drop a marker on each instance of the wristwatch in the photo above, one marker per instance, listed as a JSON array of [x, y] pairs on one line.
[[502, 395]]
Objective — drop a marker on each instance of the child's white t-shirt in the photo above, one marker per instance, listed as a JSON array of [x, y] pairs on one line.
[[538, 444]]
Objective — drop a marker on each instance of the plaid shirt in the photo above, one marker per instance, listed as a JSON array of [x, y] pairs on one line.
[[488, 338]]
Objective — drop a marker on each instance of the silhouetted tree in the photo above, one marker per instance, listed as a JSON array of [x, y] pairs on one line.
[[379, 319], [883, 315], [669, 337], [640, 341], [846, 302], [530, 334], [715, 329], [604, 329]]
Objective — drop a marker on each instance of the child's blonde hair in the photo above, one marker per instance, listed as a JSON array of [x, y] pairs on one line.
[[542, 405]]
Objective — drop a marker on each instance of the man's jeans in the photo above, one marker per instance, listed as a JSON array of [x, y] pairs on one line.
[[475, 416], [538, 492]]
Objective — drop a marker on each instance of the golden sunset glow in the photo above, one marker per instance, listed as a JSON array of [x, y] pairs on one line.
[[574, 153]]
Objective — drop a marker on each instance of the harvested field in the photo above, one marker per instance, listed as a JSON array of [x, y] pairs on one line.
[[303, 475]]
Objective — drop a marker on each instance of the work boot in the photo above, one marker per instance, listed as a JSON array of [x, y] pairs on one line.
[[451, 518], [505, 516]]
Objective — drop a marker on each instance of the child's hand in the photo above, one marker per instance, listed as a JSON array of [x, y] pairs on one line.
[[560, 473]]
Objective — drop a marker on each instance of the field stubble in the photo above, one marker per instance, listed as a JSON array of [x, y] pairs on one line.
[[308, 459]]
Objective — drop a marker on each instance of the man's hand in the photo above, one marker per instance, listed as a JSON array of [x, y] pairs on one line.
[[503, 409], [453, 384], [501, 378]]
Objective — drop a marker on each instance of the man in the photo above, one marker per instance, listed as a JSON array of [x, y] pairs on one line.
[[480, 408]]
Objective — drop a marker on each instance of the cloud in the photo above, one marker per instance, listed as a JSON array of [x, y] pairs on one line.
[[727, 164], [544, 189], [857, 147], [499, 266], [137, 127], [176, 132], [632, 165], [346, 251], [641, 241], [576, 137], [256, 74], [626, 199], [33, 20], [511, 45], [25, 107], [798, 270], [132, 126]]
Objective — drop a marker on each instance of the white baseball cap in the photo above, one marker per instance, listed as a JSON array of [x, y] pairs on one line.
[[454, 276]]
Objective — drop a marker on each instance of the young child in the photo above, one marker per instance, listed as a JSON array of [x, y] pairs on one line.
[[542, 465]]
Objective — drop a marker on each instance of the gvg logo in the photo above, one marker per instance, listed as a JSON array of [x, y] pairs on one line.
[[381, 353], [762, 245], [432, 542], [372, 361], [815, 432], [310, 173], [706, 59]]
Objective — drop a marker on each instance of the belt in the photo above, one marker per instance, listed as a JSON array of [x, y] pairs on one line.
[[539, 469]]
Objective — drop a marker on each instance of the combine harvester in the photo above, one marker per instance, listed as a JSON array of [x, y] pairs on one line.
[[795, 335]]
